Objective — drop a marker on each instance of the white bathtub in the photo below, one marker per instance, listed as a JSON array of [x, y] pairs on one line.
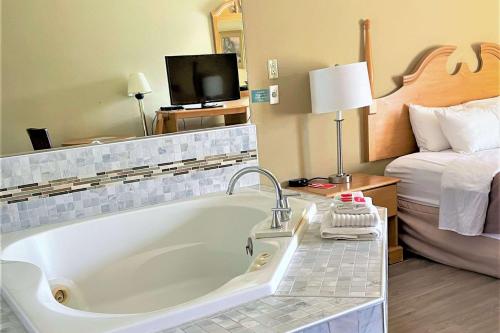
[[147, 269]]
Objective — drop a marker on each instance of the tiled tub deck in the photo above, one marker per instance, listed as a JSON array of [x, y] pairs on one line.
[[329, 286]]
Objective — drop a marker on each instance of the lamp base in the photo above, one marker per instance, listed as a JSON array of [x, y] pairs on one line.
[[340, 179]]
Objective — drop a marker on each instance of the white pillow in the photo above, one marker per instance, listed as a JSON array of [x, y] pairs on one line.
[[470, 130], [426, 129], [487, 103]]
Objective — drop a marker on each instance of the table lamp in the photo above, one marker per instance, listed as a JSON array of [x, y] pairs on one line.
[[138, 86], [338, 88]]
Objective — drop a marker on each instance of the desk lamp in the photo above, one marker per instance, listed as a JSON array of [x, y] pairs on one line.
[[336, 89], [138, 86]]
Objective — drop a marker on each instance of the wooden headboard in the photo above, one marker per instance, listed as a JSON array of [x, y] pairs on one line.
[[387, 122]]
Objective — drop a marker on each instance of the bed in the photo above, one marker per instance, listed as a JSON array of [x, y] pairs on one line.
[[389, 134]]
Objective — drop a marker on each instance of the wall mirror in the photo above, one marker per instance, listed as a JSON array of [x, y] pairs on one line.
[[227, 23], [98, 75]]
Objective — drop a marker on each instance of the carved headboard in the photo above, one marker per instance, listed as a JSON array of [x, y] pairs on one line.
[[387, 122]]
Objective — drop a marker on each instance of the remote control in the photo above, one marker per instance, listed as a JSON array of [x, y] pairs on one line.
[[171, 108]]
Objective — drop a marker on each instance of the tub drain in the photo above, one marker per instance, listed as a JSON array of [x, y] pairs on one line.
[[60, 294]]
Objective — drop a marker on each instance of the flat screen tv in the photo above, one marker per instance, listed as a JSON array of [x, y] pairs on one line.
[[195, 79]]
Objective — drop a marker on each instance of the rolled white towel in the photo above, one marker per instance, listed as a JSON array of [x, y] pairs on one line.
[[355, 220], [348, 233]]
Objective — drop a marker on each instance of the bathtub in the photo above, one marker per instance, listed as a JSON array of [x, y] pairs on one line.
[[148, 269]]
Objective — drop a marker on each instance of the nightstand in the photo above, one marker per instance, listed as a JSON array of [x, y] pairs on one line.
[[382, 190]]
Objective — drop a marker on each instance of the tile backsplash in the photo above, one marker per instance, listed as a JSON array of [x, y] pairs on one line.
[[63, 185]]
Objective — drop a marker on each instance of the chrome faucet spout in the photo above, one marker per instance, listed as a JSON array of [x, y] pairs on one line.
[[282, 212], [267, 173]]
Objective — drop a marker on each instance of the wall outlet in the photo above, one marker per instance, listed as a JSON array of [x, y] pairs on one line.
[[272, 68], [274, 94]]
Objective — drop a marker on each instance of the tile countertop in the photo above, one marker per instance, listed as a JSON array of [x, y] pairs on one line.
[[325, 280]]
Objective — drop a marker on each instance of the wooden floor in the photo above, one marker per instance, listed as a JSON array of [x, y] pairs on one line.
[[426, 297]]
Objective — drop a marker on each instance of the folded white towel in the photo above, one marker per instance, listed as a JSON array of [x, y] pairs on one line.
[[347, 233], [355, 220]]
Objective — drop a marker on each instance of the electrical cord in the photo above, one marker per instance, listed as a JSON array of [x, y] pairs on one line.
[[249, 114], [301, 182], [153, 124], [309, 180]]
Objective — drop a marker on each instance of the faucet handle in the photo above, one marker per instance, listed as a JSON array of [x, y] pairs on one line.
[[282, 214], [292, 195], [277, 218], [279, 209], [285, 202]]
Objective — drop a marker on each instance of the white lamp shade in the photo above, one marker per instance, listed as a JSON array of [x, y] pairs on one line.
[[339, 88], [137, 84]]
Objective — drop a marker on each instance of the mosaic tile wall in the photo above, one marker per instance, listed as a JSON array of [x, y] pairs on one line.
[[291, 314], [63, 185]]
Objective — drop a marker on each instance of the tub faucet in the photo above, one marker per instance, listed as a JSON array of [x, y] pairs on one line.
[[282, 211]]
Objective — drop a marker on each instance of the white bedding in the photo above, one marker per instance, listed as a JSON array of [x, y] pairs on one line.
[[456, 183], [465, 188], [420, 175]]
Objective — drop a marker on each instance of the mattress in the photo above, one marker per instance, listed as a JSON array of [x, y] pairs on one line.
[[420, 175]]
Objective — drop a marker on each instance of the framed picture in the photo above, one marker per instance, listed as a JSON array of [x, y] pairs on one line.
[[232, 42]]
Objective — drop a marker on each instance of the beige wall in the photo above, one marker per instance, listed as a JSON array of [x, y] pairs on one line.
[[65, 63], [305, 35]]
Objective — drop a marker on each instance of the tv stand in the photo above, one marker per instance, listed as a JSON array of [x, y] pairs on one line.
[[205, 106], [234, 112]]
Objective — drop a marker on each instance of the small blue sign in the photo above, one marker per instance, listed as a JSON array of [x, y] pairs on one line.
[[260, 96]]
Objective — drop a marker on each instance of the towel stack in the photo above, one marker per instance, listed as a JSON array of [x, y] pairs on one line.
[[351, 216]]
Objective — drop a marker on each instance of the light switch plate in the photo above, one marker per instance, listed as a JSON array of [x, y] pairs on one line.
[[274, 95], [272, 68]]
